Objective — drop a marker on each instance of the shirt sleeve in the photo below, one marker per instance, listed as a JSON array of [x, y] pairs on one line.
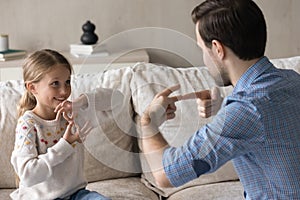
[[236, 130], [31, 167]]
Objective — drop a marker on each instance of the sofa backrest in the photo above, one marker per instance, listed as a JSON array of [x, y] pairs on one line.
[[10, 93], [288, 63]]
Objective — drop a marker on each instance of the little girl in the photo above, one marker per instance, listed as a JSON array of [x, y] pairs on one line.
[[48, 156]]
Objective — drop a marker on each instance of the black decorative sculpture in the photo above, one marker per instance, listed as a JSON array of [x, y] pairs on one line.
[[88, 36]]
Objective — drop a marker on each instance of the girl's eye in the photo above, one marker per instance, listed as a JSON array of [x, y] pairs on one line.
[[68, 82], [55, 83]]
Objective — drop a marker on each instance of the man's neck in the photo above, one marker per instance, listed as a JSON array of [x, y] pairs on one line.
[[237, 67]]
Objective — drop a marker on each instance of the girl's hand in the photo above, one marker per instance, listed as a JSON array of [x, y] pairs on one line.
[[65, 108], [70, 109], [74, 133]]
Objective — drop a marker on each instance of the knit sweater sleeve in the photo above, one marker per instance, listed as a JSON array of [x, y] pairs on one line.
[[31, 167]]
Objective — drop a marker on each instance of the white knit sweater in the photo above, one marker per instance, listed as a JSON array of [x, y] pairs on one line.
[[47, 165]]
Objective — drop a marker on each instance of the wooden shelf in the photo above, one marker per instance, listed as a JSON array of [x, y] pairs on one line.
[[123, 57], [12, 70], [126, 57]]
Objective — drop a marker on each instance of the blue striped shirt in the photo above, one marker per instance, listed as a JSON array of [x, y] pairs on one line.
[[258, 128]]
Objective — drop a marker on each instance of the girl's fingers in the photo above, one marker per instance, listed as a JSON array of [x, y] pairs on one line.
[[59, 113], [66, 105], [69, 128], [61, 109], [67, 117], [57, 108]]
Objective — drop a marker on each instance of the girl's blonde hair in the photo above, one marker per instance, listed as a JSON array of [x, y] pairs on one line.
[[35, 67]]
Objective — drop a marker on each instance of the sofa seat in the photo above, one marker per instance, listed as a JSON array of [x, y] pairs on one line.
[[123, 188], [118, 189], [232, 190], [4, 194]]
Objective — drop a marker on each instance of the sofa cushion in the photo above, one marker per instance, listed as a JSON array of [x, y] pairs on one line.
[[288, 63], [10, 93], [4, 194], [232, 190], [225, 173], [147, 81], [123, 188], [109, 147]]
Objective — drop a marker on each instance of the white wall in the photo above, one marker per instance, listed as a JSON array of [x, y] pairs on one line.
[[35, 24]]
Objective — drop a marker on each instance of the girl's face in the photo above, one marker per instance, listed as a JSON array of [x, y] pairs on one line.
[[51, 90]]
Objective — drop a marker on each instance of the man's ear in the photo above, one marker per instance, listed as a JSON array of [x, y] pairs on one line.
[[31, 87], [218, 49]]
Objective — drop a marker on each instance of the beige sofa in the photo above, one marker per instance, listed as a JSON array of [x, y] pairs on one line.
[[114, 166]]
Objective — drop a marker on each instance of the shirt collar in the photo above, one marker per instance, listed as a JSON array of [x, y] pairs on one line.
[[252, 73]]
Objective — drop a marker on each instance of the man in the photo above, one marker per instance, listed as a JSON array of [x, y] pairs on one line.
[[257, 126]]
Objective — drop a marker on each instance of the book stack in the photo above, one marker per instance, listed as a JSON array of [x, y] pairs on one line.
[[12, 54], [84, 50]]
